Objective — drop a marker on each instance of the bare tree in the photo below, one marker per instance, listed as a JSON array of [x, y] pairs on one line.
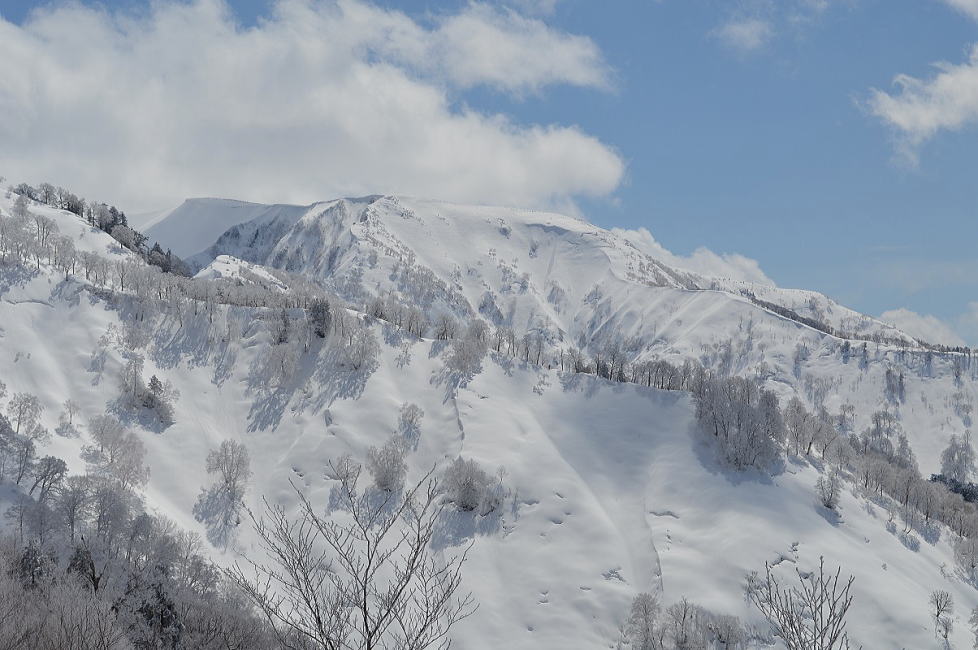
[[231, 463], [71, 408], [810, 616], [828, 488], [942, 607], [362, 576], [942, 602]]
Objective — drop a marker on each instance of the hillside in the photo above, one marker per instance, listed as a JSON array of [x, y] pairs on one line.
[[611, 489], [575, 284]]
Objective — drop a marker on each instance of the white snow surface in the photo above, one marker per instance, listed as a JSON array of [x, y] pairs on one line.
[[196, 223], [231, 268], [611, 490]]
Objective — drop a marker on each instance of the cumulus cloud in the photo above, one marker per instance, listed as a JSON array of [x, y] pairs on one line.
[[702, 260], [919, 108], [321, 99], [922, 326]]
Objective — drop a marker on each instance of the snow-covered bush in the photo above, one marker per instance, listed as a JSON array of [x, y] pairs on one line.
[[386, 465], [470, 487]]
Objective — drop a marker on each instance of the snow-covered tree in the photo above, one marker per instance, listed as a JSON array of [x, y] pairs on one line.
[[48, 473], [320, 317], [966, 553], [21, 207], [363, 348], [643, 628], [116, 452], [24, 410], [470, 487], [958, 458], [386, 465], [445, 327], [468, 350], [829, 488], [741, 420], [409, 423], [230, 464]]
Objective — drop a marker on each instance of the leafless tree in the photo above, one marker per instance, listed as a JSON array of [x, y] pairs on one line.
[[942, 607], [231, 464], [810, 616], [942, 602], [363, 575]]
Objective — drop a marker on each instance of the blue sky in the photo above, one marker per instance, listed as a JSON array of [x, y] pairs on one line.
[[749, 127]]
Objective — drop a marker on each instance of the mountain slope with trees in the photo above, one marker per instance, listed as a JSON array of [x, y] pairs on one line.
[[602, 490]]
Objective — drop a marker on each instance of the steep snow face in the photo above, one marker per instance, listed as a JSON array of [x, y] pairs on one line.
[[196, 223]]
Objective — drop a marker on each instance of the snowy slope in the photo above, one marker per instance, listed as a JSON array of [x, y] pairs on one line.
[[478, 248], [611, 493], [196, 223], [581, 285]]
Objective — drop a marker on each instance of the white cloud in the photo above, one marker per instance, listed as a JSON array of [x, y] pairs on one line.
[[702, 260], [537, 7], [504, 49], [921, 326], [968, 7], [967, 323], [320, 100], [745, 34], [919, 108], [752, 25]]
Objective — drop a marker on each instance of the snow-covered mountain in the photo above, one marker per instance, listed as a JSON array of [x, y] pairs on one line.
[[578, 284], [611, 489], [527, 269]]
